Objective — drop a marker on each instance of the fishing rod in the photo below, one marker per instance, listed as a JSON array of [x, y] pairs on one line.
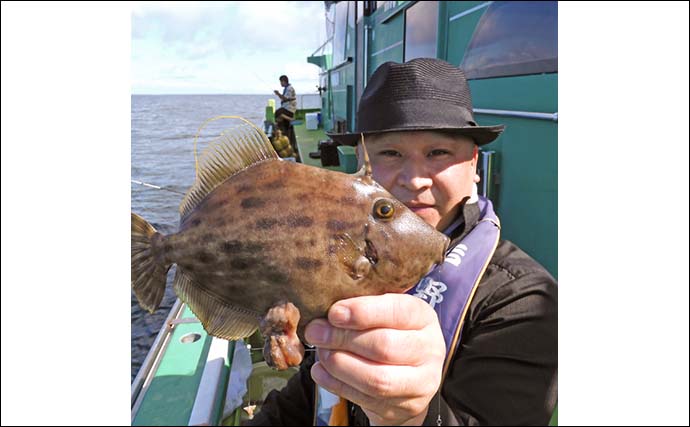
[[156, 187], [263, 82]]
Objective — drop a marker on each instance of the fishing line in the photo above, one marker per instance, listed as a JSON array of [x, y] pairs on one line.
[[261, 80], [156, 187]]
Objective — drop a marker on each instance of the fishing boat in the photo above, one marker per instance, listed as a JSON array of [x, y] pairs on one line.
[[508, 51]]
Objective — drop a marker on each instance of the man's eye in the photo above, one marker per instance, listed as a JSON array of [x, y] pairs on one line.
[[438, 152], [389, 153]]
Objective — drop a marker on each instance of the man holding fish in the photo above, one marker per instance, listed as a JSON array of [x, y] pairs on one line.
[[419, 312], [491, 348]]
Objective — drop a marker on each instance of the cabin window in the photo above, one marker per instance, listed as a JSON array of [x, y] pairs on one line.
[[350, 28], [327, 42], [369, 7], [339, 42], [421, 28], [512, 39]]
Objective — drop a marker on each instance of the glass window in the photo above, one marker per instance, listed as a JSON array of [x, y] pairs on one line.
[[421, 24], [350, 28], [330, 20], [387, 5], [514, 38], [340, 32], [369, 7]]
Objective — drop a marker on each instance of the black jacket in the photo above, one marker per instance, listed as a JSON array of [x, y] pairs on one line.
[[505, 369]]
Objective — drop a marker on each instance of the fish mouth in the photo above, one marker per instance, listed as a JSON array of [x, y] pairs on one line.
[[370, 252]]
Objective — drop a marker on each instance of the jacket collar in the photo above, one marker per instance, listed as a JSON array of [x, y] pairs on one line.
[[468, 216]]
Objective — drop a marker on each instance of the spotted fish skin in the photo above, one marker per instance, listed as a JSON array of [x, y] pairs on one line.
[[270, 234], [262, 240]]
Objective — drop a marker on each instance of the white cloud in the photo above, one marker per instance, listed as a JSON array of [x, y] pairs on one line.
[[237, 26], [200, 50], [279, 25], [303, 76], [242, 46]]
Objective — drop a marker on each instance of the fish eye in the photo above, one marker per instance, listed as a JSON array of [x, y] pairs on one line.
[[383, 209]]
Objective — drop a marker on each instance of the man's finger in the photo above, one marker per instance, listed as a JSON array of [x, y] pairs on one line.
[[375, 379], [387, 346], [395, 408], [394, 311]]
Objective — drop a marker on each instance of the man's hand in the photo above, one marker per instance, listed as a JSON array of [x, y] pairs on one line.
[[385, 353], [277, 93]]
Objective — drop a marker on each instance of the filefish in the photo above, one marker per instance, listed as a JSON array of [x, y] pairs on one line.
[[268, 243]]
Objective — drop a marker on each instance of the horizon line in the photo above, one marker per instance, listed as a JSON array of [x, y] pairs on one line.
[[166, 94]]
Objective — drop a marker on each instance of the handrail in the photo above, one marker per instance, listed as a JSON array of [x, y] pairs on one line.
[[521, 114], [468, 11], [487, 158], [322, 46], [212, 383], [156, 347]]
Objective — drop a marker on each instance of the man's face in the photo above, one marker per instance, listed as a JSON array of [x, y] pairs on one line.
[[283, 83], [430, 172]]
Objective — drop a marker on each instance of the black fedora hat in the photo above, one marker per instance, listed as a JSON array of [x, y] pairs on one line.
[[421, 94]]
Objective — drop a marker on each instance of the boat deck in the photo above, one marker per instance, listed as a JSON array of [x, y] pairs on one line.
[[168, 394], [308, 141]]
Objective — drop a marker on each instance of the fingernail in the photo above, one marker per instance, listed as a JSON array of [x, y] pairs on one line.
[[318, 373], [324, 354], [339, 314], [317, 333]]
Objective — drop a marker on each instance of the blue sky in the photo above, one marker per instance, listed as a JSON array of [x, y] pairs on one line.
[[224, 47]]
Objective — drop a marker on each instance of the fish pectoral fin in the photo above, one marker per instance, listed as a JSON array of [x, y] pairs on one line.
[[351, 256], [282, 347], [218, 317]]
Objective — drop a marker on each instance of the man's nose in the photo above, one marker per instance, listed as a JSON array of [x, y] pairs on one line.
[[414, 176]]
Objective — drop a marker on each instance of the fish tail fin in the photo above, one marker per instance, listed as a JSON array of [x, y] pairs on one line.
[[148, 272]]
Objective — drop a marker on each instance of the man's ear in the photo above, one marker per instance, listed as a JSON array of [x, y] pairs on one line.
[[475, 154]]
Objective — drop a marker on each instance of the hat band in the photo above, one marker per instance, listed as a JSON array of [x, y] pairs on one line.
[[413, 114]]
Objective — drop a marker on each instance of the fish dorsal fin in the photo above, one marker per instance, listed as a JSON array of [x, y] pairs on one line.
[[230, 153], [364, 173]]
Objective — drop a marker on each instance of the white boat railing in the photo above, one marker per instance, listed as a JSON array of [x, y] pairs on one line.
[[153, 357], [309, 100]]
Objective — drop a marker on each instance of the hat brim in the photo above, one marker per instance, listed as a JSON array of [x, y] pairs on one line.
[[481, 135]]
